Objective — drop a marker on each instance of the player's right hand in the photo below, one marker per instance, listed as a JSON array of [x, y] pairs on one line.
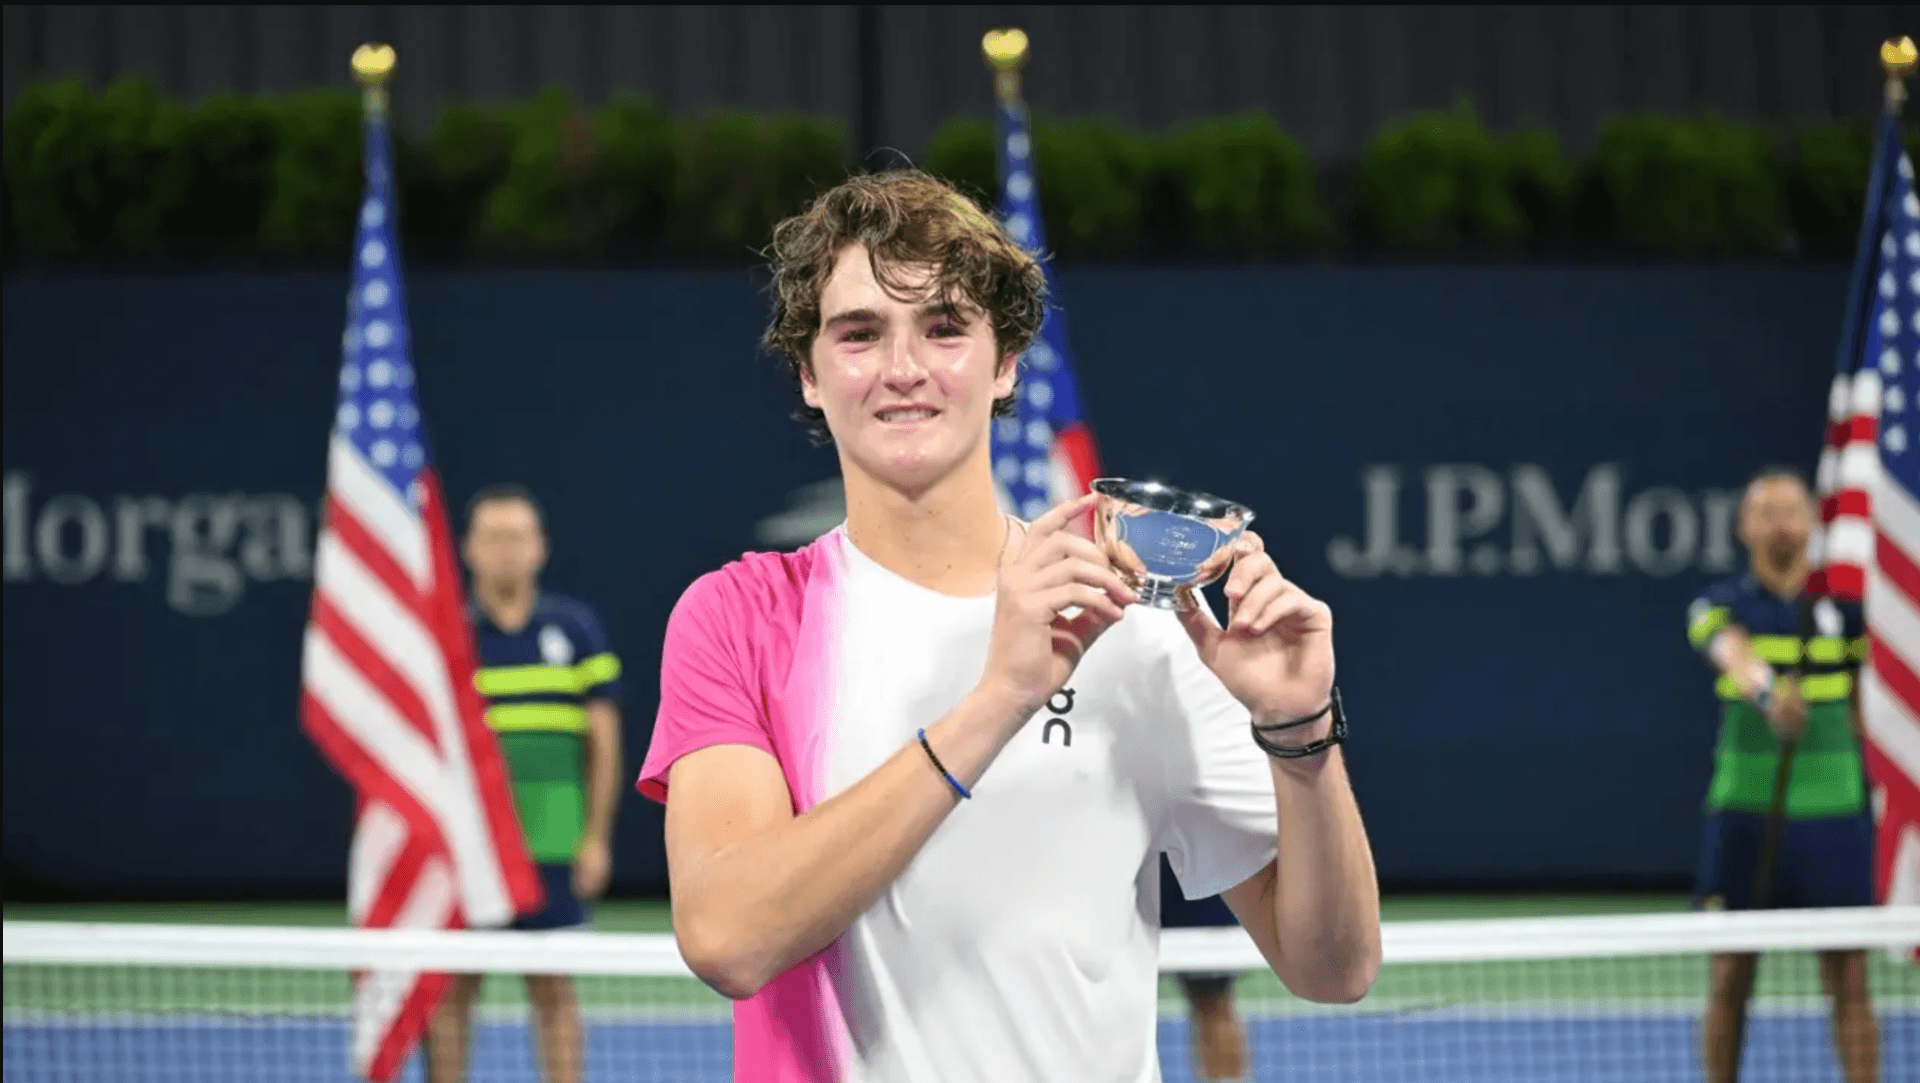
[[1034, 647], [1787, 714]]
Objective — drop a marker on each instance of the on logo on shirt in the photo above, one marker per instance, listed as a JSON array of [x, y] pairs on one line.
[[1060, 703]]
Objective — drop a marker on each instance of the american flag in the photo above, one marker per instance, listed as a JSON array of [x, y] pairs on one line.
[[387, 669], [1044, 453], [1870, 508]]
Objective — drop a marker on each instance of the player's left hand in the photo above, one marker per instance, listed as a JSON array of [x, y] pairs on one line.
[[1276, 652], [590, 868]]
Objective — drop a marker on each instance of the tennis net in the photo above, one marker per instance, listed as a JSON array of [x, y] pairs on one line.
[[1544, 1000]]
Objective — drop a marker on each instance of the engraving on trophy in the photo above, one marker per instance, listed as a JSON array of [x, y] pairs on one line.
[[1166, 542]]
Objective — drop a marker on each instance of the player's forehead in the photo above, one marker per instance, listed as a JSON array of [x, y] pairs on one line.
[[1777, 491], [853, 288], [505, 513]]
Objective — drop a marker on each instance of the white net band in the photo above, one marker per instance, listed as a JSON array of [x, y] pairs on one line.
[[1547, 1000]]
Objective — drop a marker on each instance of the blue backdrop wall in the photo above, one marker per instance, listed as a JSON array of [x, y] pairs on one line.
[[1507, 481]]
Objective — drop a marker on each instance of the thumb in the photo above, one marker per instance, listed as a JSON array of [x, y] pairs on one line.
[[1073, 637], [1198, 619]]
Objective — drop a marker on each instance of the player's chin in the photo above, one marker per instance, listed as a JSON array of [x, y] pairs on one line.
[[914, 464]]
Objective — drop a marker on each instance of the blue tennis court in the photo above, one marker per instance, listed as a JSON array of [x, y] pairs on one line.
[[1436, 1047]]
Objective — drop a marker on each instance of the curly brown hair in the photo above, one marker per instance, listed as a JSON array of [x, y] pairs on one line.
[[906, 218]]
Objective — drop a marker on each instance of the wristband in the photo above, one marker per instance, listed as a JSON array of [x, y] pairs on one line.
[[942, 768], [1335, 736]]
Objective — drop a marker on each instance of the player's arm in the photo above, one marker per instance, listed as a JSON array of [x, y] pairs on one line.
[[757, 889], [1729, 649], [1314, 908], [599, 674], [1317, 920], [603, 768]]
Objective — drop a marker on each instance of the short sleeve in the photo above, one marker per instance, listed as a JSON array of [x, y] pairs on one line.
[[1220, 819], [1707, 614], [706, 693], [599, 667]]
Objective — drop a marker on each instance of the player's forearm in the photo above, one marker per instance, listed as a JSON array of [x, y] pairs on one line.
[[1732, 654], [603, 769], [1326, 898], [755, 908]]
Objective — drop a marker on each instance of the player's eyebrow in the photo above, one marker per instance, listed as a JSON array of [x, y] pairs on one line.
[[943, 309], [852, 315]]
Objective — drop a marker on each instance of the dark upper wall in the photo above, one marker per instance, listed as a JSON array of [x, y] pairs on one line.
[[1330, 74]]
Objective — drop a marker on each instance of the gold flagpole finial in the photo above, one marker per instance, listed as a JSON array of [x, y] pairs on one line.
[[1005, 51], [373, 66], [1897, 58]]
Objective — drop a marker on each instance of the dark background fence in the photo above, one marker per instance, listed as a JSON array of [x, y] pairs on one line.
[[1330, 74]]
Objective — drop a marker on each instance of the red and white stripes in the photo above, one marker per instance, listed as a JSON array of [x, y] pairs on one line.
[[1849, 465], [1890, 692], [388, 695]]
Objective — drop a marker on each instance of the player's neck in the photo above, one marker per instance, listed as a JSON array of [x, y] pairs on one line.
[[509, 605], [947, 538], [1782, 580]]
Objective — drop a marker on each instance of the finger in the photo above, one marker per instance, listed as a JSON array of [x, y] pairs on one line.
[[1085, 571], [1072, 637], [1055, 520], [1294, 606], [1296, 609], [1084, 595], [1253, 601], [1249, 570], [1072, 545], [1251, 543], [1201, 625]]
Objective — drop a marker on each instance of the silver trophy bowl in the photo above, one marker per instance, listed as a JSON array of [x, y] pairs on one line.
[[1166, 542]]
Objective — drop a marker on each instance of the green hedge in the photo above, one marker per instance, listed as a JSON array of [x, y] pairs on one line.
[[123, 174]]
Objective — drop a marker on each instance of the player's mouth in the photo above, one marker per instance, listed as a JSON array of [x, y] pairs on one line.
[[905, 415]]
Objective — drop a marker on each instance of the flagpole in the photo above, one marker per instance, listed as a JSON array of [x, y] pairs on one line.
[[1897, 58], [373, 66], [1006, 51], [1045, 452], [1897, 61]]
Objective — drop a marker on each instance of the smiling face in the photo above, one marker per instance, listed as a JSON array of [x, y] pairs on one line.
[[859, 282], [907, 379]]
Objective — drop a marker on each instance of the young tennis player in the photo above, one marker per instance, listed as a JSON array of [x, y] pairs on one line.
[[919, 773]]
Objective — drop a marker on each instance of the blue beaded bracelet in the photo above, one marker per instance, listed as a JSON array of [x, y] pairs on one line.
[[942, 768]]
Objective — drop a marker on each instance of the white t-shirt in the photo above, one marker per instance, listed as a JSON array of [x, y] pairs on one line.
[[1021, 943]]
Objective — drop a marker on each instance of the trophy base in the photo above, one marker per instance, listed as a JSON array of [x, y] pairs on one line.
[[1163, 594]]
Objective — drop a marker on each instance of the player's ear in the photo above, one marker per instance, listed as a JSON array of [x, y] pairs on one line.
[[1008, 375], [809, 389]]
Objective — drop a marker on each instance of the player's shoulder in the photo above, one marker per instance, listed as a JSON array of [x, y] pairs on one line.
[[1725, 592], [566, 610], [759, 584]]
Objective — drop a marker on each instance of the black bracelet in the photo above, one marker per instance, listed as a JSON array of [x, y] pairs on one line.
[[942, 768], [1293, 752], [1314, 717]]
